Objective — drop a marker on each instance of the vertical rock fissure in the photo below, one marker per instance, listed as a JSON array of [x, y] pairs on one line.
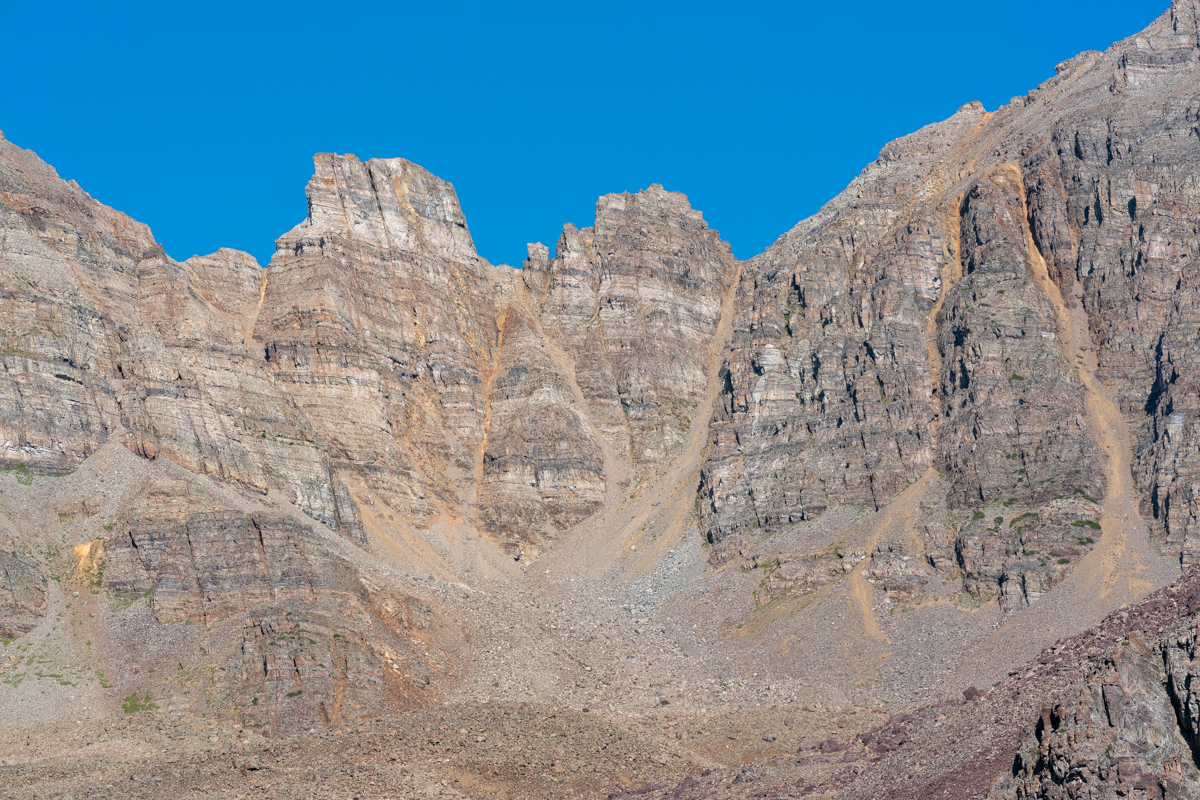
[[1177, 704], [489, 380], [248, 332], [951, 272], [196, 573]]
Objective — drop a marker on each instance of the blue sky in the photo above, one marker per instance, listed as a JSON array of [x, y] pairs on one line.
[[201, 119]]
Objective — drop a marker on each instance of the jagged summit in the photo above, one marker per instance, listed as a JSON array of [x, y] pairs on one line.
[[390, 203], [704, 511]]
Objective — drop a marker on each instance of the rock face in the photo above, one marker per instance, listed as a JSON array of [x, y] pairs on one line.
[[1005, 379], [300, 636], [944, 311], [377, 362], [202, 565], [959, 304], [632, 301], [477, 394], [22, 595], [59, 402], [989, 337], [377, 355], [377, 319], [107, 334], [542, 467], [1133, 727]]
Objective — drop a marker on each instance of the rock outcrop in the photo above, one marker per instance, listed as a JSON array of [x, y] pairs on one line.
[[198, 562], [297, 634], [377, 355], [107, 334], [377, 320], [1108, 713], [1133, 727], [633, 300], [22, 595], [959, 303], [989, 339]]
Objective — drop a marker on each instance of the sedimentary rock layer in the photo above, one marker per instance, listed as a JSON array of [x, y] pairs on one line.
[[957, 304], [968, 310]]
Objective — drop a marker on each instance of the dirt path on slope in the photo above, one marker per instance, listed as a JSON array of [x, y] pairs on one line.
[[1126, 564], [1123, 566], [906, 508]]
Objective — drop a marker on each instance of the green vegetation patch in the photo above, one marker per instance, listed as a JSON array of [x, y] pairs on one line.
[[24, 476], [133, 704]]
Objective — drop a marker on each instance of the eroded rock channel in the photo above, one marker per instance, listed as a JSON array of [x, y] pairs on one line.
[[383, 519]]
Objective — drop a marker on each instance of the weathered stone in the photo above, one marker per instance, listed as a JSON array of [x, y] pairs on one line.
[[917, 320], [633, 301], [22, 595], [377, 319], [199, 562], [1130, 729], [300, 636], [1014, 423]]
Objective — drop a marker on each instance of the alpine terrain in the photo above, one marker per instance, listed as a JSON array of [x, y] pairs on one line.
[[906, 506]]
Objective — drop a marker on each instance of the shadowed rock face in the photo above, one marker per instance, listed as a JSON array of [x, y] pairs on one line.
[[1133, 726]]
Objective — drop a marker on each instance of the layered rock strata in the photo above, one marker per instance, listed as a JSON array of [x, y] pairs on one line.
[[1133, 726], [107, 334], [294, 634], [632, 301], [956, 305], [378, 355], [966, 308], [22, 595]]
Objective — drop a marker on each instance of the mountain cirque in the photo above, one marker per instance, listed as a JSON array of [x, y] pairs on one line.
[[636, 518]]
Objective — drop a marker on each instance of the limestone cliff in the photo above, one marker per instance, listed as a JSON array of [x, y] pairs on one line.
[[969, 303], [989, 338]]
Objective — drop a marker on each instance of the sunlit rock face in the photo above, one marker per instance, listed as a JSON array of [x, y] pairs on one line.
[[946, 308], [980, 359], [634, 301]]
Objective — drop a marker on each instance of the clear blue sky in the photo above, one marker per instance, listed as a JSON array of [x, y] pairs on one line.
[[201, 119]]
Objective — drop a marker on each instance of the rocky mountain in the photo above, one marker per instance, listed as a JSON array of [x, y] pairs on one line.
[[948, 422], [957, 306]]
